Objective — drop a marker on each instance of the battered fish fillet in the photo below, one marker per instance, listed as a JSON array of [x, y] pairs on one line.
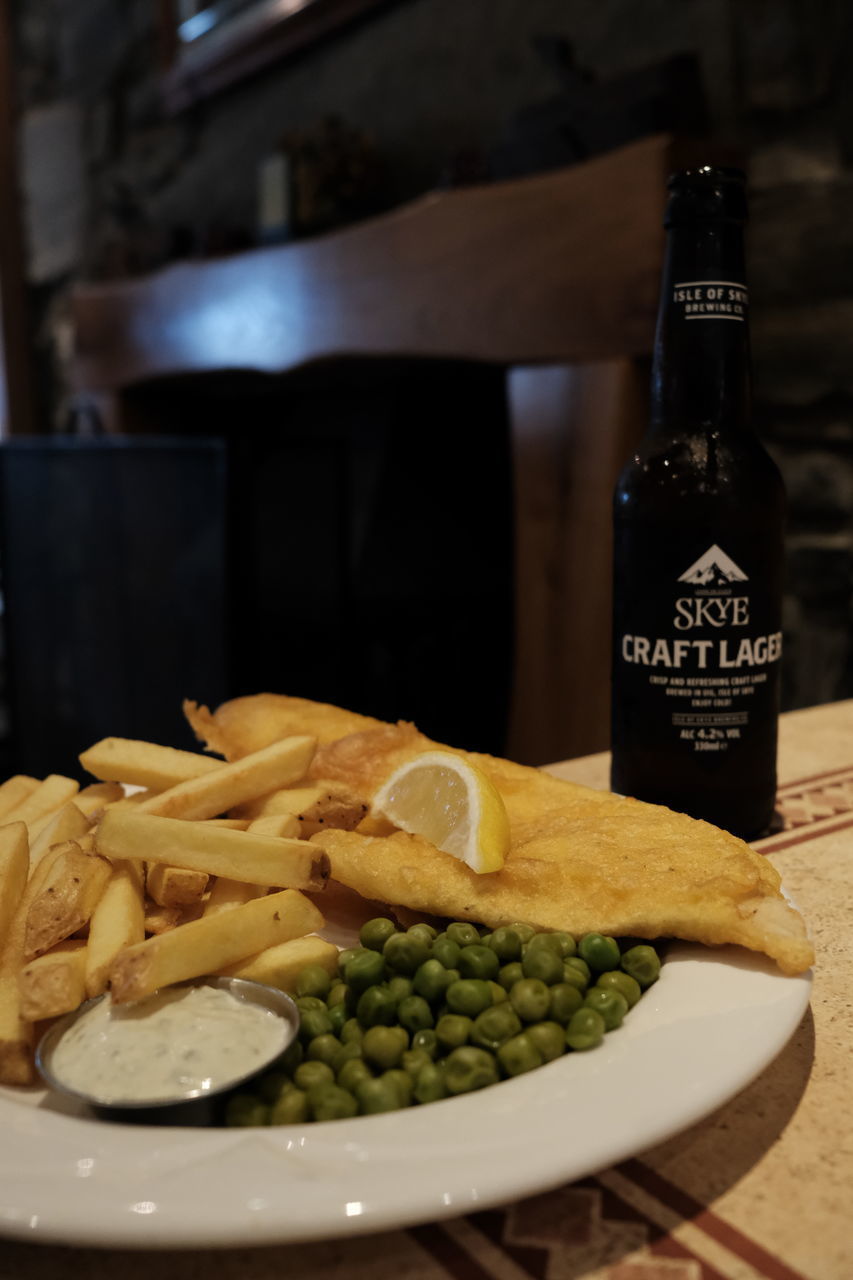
[[244, 725], [579, 860]]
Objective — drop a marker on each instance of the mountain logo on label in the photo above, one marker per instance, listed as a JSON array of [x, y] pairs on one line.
[[713, 569]]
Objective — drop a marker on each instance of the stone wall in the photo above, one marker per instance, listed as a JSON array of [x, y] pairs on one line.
[[113, 184]]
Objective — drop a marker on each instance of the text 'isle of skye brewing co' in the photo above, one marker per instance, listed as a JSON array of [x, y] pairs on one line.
[[698, 530]]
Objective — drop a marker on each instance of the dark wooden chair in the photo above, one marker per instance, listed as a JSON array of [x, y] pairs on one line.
[[553, 279]]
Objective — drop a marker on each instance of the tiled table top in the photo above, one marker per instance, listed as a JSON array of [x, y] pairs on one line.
[[761, 1189]]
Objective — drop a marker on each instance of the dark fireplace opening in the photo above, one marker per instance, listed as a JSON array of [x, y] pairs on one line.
[[342, 533]]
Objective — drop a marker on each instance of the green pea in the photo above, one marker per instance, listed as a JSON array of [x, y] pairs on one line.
[[271, 1085], [519, 1054], [565, 1000], [453, 1030], [338, 1017], [469, 996], [469, 1068], [549, 1038], [542, 962], [375, 933], [340, 994], [402, 1082], [530, 998], [556, 940], [346, 1052], [499, 993], [364, 971], [506, 945], [309, 1074], [376, 1008], [331, 1102], [404, 954], [495, 1025], [348, 954], [627, 986], [314, 1022], [306, 1004], [577, 971], [524, 931], [446, 951], [400, 988], [600, 953], [377, 1095], [413, 1060], [426, 1040], [313, 980], [323, 1048], [465, 935], [477, 961], [642, 964], [291, 1108], [611, 1005], [586, 1029], [425, 932], [244, 1111], [510, 974], [414, 1013], [352, 1030], [383, 1047], [431, 980], [430, 1086], [352, 1073]]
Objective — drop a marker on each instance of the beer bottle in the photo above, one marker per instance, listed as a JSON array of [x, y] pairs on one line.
[[698, 550]]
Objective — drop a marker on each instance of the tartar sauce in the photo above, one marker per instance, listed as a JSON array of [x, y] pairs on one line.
[[178, 1043]]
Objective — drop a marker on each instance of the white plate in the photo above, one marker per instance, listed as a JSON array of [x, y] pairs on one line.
[[709, 1026]]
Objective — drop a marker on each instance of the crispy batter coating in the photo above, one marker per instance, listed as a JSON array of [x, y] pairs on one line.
[[244, 725]]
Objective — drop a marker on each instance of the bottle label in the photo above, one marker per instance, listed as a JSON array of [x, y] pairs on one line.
[[697, 656], [711, 300]]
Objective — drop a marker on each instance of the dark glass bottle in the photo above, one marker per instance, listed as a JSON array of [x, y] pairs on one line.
[[698, 533]]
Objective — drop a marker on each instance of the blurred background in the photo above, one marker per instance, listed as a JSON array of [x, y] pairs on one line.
[[326, 327]]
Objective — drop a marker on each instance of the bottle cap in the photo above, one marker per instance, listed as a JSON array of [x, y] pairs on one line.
[[708, 192]]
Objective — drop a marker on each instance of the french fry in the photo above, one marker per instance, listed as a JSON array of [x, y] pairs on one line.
[[133, 801], [14, 791], [175, 886], [16, 1032], [208, 944], [54, 983], [228, 785], [48, 796], [231, 893], [280, 966], [66, 900], [92, 799], [276, 824], [68, 823], [232, 824], [237, 855], [144, 764], [118, 921], [14, 869], [161, 919], [324, 804]]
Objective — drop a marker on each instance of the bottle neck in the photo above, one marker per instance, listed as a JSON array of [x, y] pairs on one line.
[[701, 369]]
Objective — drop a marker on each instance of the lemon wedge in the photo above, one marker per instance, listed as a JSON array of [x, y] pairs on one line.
[[449, 802]]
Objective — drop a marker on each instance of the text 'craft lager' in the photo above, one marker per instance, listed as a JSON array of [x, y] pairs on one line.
[[698, 541]]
